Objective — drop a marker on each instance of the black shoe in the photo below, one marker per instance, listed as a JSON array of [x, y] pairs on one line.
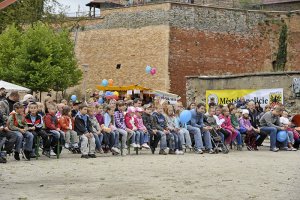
[[26, 154], [46, 153], [3, 160], [85, 156], [171, 151], [32, 155], [92, 155], [17, 156]]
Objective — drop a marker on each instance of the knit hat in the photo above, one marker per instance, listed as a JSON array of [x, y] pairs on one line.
[[245, 111], [27, 97], [130, 109], [138, 109]]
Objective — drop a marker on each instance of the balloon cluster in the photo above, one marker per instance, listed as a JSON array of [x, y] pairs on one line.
[[108, 82], [150, 70], [111, 95]]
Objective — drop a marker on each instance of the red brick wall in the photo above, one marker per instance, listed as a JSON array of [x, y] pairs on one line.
[[194, 52]]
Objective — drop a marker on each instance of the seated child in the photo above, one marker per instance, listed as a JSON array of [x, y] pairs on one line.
[[35, 125], [173, 138], [119, 120], [53, 128], [149, 122], [131, 123], [67, 126], [111, 131], [96, 129], [251, 132], [99, 114], [284, 120], [235, 123], [16, 123], [83, 127], [141, 128], [227, 126]]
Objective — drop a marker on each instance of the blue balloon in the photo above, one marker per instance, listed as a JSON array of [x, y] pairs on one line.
[[148, 69], [281, 136], [185, 116], [100, 101], [104, 82], [108, 93], [73, 97]]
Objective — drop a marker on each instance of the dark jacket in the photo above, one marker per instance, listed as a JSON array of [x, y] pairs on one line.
[[38, 124], [149, 122], [254, 118], [80, 127], [2, 120], [160, 120]]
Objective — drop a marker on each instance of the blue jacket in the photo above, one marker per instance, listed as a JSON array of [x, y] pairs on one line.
[[197, 119]]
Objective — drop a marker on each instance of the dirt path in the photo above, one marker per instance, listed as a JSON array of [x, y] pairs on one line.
[[238, 175]]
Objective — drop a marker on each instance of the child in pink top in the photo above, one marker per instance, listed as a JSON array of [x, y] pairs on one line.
[[131, 124], [227, 126], [141, 128]]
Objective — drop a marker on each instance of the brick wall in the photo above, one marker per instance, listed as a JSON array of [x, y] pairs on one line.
[[182, 40]]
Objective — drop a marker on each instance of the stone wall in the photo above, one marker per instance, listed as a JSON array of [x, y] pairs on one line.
[[197, 86]]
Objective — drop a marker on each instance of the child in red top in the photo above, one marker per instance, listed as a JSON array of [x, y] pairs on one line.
[[53, 127], [227, 126], [67, 125], [141, 128], [131, 124]]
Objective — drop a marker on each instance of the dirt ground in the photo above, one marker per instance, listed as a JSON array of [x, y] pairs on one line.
[[237, 175]]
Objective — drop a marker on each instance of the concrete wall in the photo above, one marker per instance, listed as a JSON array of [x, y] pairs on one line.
[[196, 86]]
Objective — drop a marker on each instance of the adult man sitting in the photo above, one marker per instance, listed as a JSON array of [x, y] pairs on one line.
[[270, 123], [196, 126]]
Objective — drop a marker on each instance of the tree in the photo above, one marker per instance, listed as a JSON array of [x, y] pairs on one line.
[[38, 58]]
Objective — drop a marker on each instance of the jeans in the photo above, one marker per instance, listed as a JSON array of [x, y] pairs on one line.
[[197, 136], [239, 138], [273, 133], [9, 139], [163, 140], [185, 137], [171, 140], [28, 141], [57, 136], [207, 139], [144, 137], [261, 137], [135, 138], [98, 140], [124, 134], [177, 141], [290, 138], [115, 142]]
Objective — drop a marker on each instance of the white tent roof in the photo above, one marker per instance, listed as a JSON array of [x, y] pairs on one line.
[[9, 86]]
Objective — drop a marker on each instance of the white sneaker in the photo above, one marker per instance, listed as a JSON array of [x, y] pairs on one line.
[[146, 146], [75, 146], [167, 149], [133, 145], [124, 152], [177, 152], [116, 150], [52, 153], [181, 153], [138, 146], [67, 146]]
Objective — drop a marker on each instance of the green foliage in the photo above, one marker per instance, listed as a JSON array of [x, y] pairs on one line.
[[38, 58], [25, 12], [282, 50]]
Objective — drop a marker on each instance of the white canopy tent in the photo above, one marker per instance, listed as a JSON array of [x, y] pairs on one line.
[[10, 87]]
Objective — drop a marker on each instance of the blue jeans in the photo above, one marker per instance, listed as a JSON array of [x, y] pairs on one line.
[[197, 136], [57, 135], [144, 137], [273, 133], [239, 137], [135, 138], [163, 140], [98, 140], [177, 141], [28, 141], [171, 141], [115, 135]]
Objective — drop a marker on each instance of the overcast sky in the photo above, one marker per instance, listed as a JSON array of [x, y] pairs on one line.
[[73, 5]]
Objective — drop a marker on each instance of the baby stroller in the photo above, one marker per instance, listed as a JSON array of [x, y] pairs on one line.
[[217, 142]]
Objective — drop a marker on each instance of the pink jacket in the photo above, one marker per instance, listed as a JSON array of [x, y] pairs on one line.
[[227, 123], [245, 123], [130, 122], [140, 124]]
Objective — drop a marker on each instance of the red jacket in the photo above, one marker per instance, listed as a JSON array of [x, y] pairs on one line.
[[227, 123], [64, 123], [127, 121], [51, 122]]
